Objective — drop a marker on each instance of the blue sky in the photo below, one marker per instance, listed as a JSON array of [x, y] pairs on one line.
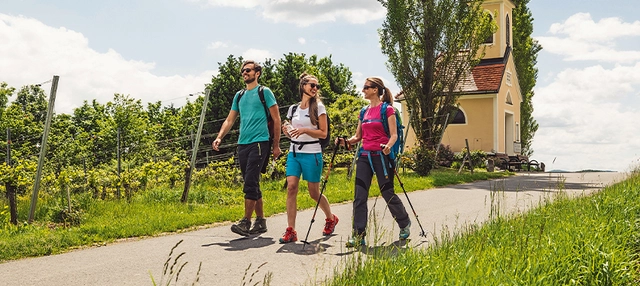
[[586, 101]]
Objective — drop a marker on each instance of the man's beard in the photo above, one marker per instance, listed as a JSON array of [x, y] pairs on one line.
[[250, 79]]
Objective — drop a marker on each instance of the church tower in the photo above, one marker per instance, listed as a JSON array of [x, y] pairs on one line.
[[502, 12]]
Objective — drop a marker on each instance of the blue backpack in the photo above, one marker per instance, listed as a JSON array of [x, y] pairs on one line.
[[397, 147]]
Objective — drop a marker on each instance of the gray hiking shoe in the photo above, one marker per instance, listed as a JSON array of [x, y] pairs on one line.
[[405, 231], [356, 241], [242, 227], [259, 226]]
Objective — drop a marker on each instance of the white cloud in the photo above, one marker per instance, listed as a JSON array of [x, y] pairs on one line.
[[302, 41], [309, 12], [580, 38], [217, 45], [33, 52], [581, 27], [231, 3], [256, 55], [588, 116]]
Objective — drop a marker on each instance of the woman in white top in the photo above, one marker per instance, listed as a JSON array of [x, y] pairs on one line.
[[308, 123]]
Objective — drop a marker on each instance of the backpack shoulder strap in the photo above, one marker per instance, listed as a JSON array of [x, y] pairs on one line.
[[383, 117], [294, 107], [264, 102], [362, 111], [238, 99]]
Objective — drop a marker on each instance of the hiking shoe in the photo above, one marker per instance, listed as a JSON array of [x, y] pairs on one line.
[[242, 227], [405, 231], [330, 225], [259, 226], [356, 241], [290, 235]]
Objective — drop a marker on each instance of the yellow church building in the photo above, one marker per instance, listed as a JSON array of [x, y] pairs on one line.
[[489, 106]]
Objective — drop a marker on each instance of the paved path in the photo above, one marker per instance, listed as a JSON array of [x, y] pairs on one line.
[[225, 257]]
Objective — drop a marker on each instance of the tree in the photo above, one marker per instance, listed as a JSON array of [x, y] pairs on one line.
[[431, 47], [128, 115], [26, 116], [87, 119], [525, 54], [5, 93]]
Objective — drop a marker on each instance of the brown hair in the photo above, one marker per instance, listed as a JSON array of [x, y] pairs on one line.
[[256, 66], [382, 90], [313, 102]]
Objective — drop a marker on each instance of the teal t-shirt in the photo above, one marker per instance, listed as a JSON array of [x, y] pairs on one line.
[[253, 120]]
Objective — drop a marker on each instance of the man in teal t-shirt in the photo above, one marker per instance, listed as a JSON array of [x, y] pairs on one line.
[[253, 144]]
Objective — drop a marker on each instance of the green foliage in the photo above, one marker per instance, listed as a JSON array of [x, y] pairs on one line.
[[5, 218], [21, 175], [61, 213], [219, 174], [420, 159], [25, 118], [478, 157], [431, 45], [5, 93], [525, 53], [445, 156], [344, 113], [172, 268], [592, 240]]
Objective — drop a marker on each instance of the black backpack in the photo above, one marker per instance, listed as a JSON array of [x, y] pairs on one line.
[[323, 141], [266, 109]]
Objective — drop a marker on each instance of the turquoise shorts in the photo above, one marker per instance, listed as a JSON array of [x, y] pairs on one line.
[[312, 163]]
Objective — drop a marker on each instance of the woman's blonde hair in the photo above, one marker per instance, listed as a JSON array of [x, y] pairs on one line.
[[313, 102]]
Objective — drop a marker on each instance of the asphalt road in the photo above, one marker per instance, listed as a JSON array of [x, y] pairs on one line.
[[227, 259]]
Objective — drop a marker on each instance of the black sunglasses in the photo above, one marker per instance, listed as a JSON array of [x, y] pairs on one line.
[[245, 70], [368, 87], [314, 85]]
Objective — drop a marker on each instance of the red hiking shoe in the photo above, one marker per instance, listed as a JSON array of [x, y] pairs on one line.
[[290, 235], [330, 225]]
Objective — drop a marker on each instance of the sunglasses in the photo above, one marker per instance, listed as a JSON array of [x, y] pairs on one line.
[[245, 70], [368, 87], [314, 85]]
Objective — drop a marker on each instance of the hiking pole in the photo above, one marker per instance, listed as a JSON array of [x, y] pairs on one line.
[[324, 184], [422, 232]]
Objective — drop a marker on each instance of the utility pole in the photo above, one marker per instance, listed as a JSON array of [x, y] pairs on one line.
[[43, 147], [119, 166], [11, 189], [194, 152]]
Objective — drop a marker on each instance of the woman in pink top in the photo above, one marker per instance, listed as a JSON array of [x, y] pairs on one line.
[[372, 158]]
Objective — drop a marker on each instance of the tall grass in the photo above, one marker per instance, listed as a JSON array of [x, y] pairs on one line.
[[592, 240], [159, 210]]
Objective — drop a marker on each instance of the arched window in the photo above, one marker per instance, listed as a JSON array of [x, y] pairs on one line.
[[459, 117], [508, 32], [489, 39]]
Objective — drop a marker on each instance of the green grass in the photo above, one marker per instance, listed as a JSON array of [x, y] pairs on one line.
[[592, 240], [157, 211]]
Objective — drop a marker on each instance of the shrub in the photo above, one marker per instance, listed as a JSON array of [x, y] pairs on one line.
[[478, 157], [424, 160], [445, 156]]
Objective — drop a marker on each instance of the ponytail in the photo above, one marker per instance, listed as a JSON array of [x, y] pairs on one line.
[[383, 91]]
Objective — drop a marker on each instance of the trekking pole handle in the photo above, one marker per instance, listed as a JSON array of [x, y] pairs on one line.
[[383, 146], [346, 142]]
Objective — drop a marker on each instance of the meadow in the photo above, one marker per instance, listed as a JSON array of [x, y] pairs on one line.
[[590, 240]]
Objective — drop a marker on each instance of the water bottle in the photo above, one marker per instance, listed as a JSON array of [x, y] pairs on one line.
[[288, 127]]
